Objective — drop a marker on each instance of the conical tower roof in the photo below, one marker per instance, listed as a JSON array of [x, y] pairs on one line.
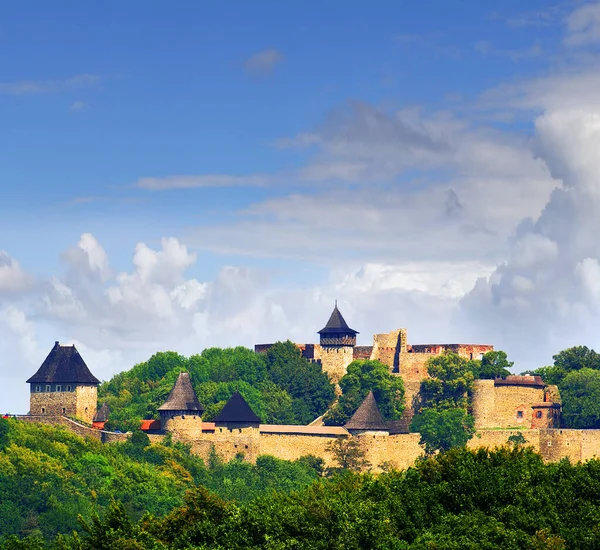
[[63, 365], [337, 324], [237, 410], [367, 416], [182, 396]]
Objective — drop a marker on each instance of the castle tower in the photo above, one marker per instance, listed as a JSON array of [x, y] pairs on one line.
[[337, 345], [236, 416], [181, 413], [367, 418], [64, 386]]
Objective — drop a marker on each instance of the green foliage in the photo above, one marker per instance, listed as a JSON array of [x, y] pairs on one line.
[[442, 417], [443, 429], [361, 377], [450, 382], [580, 392], [576, 372], [49, 476], [348, 453], [517, 439], [506, 499], [493, 364], [280, 386], [577, 358]]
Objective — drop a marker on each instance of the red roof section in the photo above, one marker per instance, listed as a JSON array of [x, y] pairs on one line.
[[150, 425]]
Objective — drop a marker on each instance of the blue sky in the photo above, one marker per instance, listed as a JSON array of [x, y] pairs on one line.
[[382, 154]]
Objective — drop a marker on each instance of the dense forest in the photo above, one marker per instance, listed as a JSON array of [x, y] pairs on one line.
[[48, 476], [502, 499], [281, 386]]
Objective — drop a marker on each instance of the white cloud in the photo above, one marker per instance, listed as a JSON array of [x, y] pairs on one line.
[[12, 276], [78, 106], [263, 62], [583, 25], [27, 87], [205, 180]]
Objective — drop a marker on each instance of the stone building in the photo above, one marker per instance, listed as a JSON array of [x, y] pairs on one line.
[[64, 386], [181, 413], [516, 402]]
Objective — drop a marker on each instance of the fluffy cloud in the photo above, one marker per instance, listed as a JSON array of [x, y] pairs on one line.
[[547, 295], [263, 62], [12, 276], [583, 25]]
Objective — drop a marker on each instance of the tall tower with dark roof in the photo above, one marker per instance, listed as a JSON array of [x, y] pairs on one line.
[[64, 386], [181, 413], [337, 341]]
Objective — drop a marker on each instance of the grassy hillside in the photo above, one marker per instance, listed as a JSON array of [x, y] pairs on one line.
[[48, 476], [506, 499]]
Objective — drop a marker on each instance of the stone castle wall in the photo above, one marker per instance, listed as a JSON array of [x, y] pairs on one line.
[[87, 402], [335, 360], [76, 427], [80, 403]]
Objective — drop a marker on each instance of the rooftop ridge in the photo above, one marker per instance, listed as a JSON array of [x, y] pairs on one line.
[[182, 397], [367, 416]]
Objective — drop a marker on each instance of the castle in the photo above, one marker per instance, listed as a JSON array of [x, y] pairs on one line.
[[64, 390]]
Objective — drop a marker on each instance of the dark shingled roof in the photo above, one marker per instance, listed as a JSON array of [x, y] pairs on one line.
[[102, 413], [337, 324], [182, 396], [63, 365], [237, 410], [367, 416]]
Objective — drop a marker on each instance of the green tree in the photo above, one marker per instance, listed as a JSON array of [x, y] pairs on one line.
[[443, 429], [449, 384], [361, 377], [310, 388], [493, 364], [517, 439], [348, 453], [580, 392], [577, 358]]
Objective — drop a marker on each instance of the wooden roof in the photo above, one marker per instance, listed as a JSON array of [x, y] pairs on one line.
[[337, 324], [237, 410], [62, 366], [102, 413], [302, 430], [182, 397], [367, 416]]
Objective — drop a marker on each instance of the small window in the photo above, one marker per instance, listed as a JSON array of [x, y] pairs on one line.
[[182, 417], [48, 387], [64, 410], [470, 356], [538, 414], [68, 388], [58, 387], [549, 443], [38, 388], [43, 410], [519, 414]]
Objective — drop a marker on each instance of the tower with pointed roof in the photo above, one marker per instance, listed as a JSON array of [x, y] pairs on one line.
[[367, 418], [337, 342], [64, 386], [236, 415], [181, 413]]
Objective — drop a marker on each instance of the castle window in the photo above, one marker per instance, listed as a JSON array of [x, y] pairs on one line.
[[43, 410], [68, 388], [519, 414], [538, 414], [38, 388], [182, 417], [58, 387], [48, 387], [64, 410]]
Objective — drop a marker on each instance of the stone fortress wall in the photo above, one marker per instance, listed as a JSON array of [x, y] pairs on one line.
[[501, 408]]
